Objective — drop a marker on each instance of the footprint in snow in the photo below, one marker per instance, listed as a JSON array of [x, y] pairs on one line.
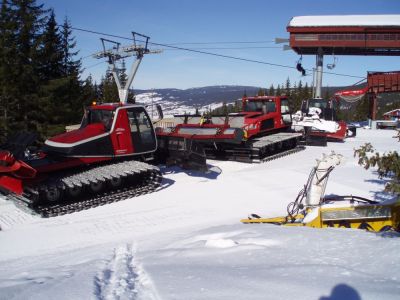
[[123, 278]]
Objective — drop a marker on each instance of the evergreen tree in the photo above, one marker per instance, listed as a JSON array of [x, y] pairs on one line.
[[30, 20], [40, 89], [72, 69], [237, 107], [62, 89], [307, 92], [287, 87], [362, 110], [299, 96], [261, 92], [8, 29], [278, 91], [70, 65], [109, 90], [51, 53], [89, 90], [271, 90], [296, 96], [224, 109], [387, 164]]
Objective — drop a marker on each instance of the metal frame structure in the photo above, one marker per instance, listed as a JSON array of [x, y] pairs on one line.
[[117, 53], [373, 35]]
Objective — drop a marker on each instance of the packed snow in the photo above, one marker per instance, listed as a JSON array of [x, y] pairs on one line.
[[185, 241]]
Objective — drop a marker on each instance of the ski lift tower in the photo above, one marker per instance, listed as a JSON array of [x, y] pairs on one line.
[[116, 53], [372, 35]]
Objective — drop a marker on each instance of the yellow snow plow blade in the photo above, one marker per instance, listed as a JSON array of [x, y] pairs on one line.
[[376, 218]]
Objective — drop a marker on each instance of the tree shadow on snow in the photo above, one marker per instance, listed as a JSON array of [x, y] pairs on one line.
[[381, 195], [342, 292], [212, 173]]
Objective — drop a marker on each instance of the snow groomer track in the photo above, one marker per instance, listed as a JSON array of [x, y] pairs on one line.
[[78, 189]]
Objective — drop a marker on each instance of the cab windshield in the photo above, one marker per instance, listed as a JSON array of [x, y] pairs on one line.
[[103, 116], [320, 103], [257, 106]]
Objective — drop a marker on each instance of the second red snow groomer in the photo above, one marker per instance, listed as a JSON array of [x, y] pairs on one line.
[[260, 130]]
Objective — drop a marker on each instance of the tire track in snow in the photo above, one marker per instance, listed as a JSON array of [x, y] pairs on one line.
[[11, 216], [123, 278]]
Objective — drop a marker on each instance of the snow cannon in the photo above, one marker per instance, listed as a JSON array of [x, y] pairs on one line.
[[320, 211]]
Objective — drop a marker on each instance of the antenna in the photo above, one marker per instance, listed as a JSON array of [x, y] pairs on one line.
[[116, 53]]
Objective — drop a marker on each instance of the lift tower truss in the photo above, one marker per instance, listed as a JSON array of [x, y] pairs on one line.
[[116, 53]]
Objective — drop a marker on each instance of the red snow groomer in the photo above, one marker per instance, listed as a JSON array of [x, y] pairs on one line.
[[103, 161], [259, 131], [97, 163]]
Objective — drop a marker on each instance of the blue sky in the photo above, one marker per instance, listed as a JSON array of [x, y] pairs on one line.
[[179, 21]]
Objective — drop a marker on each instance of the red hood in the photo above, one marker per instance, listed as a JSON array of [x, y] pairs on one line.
[[249, 114], [90, 131]]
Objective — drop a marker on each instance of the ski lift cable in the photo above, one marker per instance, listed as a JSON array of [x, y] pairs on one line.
[[219, 43], [210, 53], [95, 65], [230, 48]]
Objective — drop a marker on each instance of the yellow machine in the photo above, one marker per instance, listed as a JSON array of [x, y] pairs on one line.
[[334, 211]]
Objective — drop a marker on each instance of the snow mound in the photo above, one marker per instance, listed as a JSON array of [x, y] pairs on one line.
[[221, 243]]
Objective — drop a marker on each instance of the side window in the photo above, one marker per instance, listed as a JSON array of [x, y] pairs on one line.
[[138, 121], [133, 121], [141, 125], [285, 107], [285, 111], [271, 107]]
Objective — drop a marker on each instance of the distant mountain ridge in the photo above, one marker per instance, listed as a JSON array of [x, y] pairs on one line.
[[186, 101], [202, 96]]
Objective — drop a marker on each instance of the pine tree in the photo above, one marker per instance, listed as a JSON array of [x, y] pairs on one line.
[[40, 89], [89, 91], [224, 109], [278, 91], [296, 96], [109, 90], [361, 111], [237, 107], [387, 164], [271, 90], [307, 92], [8, 29], [70, 65], [287, 87], [51, 53], [30, 20], [261, 92], [72, 70], [61, 94]]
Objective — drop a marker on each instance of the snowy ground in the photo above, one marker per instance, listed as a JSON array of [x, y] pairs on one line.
[[186, 242]]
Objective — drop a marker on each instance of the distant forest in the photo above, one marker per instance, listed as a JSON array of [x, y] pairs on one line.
[[41, 84]]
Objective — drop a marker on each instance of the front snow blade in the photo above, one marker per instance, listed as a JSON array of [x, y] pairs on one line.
[[183, 152], [18, 143]]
